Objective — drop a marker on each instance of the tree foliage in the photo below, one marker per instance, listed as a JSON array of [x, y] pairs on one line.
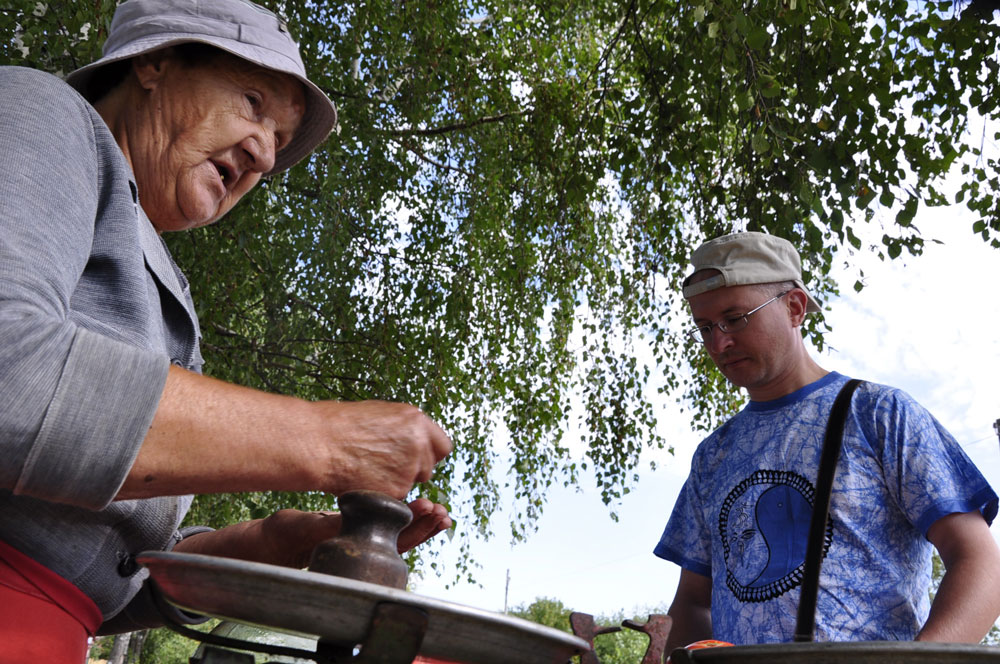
[[501, 221]]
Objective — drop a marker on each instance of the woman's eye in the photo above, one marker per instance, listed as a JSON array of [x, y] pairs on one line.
[[253, 99]]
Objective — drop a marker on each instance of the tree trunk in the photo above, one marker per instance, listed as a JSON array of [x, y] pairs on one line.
[[119, 649], [135, 646]]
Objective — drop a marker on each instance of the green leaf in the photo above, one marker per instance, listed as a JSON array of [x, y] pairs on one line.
[[853, 239], [865, 196], [758, 38], [905, 216], [760, 144], [768, 86], [744, 100]]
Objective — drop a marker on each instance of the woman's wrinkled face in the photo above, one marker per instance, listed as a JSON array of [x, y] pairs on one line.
[[206, 134]]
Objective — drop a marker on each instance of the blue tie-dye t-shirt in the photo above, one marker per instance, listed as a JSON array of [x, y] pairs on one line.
[[742, 517]]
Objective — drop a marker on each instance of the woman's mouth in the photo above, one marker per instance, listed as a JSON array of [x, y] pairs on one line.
[[224, 174], [227, 174]]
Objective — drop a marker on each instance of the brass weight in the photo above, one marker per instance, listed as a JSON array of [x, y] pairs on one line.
[[366, 548]]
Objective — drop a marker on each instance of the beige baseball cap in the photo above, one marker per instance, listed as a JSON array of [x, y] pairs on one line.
[[744, 259]]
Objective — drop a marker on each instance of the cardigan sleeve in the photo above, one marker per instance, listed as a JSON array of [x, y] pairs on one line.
[[75, 405]]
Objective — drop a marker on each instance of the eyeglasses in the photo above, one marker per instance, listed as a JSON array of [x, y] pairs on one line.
[[731, 324]]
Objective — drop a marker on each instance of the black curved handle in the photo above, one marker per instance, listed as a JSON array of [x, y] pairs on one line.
[[805, 625]]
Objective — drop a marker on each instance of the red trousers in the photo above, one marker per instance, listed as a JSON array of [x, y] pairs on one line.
[[43, 617]]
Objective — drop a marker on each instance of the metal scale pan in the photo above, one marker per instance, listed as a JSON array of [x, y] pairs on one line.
[[859, 652], [340, 609]]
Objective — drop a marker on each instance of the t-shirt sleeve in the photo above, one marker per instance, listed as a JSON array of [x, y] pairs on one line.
[[686, 540], [926, 470]]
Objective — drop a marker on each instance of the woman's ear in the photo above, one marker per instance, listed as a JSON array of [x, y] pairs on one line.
[[150, 68]]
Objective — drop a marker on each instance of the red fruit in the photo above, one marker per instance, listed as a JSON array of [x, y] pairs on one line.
[[706, 643]]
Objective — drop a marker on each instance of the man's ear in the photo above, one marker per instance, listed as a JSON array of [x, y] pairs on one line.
[[797, 301], [150, 68]]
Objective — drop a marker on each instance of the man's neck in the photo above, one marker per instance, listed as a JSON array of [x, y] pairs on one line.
[[803, 374]]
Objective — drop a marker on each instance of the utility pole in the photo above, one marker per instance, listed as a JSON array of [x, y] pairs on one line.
[[506, 588]]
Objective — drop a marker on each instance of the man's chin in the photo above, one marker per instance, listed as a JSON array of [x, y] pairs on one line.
[[736, 373]]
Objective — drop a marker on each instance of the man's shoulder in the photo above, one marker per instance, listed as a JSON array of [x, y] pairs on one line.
[[869, 394], [879, 396]]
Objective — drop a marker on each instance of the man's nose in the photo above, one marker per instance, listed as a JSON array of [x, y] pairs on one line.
[[718, 340]]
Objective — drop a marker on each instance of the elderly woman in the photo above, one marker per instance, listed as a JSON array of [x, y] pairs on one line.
[[106, 424]]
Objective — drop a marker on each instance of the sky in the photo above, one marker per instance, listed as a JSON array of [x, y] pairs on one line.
[[929, 325]]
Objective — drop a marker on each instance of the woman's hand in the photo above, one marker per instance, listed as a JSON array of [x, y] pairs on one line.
[[377, 445], [288, 537], [429, 519]]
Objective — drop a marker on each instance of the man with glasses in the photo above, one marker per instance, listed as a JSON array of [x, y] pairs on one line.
[[902, 485]]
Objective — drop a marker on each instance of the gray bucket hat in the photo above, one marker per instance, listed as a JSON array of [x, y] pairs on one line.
[[743, 259], [240, 27]]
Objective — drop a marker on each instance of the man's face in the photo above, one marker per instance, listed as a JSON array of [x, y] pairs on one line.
[[763, 356]]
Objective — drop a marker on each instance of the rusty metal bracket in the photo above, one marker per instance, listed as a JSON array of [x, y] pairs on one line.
[[395, 636], [584, 627], [657, 628]]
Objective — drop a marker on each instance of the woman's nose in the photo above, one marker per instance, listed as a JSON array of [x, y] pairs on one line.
[[261, 149]]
